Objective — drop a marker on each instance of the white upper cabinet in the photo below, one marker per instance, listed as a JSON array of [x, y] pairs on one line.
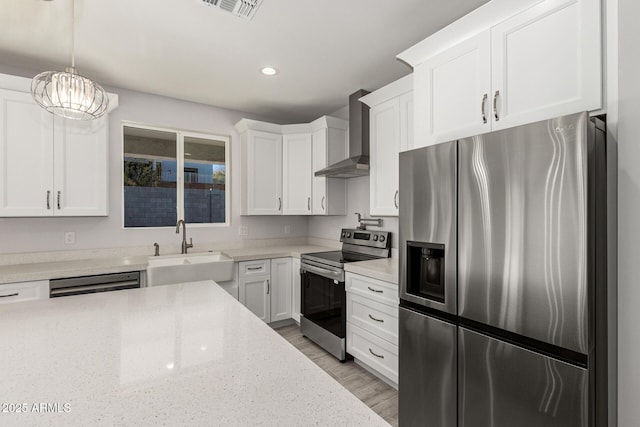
[[278, 165], [391, 130], [50, 167], [384, 148], [518, 62], [80, 171], [457, 83], [546, 62], [262, 170], [26, 157], [297, 174], [329, 140]]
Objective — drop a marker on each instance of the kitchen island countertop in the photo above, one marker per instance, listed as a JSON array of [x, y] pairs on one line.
[[185, 354]]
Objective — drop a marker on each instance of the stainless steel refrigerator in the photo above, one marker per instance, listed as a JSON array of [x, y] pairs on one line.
[[503, 278]]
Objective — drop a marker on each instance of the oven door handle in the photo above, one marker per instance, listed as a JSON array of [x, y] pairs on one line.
[[329, 274]]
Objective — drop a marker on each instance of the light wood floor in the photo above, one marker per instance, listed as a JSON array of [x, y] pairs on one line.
[[375, 393]]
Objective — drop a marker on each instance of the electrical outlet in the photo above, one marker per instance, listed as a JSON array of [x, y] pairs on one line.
[[70, 238], [287, 229], [243, 231]]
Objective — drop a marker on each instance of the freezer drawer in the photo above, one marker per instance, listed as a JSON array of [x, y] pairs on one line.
[[501, 385], [427, 371]]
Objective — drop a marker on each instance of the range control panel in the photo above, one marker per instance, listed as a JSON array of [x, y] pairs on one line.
[[376, 239]]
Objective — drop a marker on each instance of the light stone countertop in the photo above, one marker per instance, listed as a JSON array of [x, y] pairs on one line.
[[117, 264], [186, 354], [382, 269]]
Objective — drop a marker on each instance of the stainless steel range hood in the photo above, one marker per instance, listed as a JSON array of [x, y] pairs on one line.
[[358, 162]]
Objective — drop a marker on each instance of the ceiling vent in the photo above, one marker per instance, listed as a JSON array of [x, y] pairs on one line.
[[242, 8]]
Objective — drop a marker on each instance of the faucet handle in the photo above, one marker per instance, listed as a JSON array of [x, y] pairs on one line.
[[190, 244], [157, 252]]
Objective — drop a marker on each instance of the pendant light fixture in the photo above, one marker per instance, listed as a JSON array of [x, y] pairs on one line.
[[67, 93]]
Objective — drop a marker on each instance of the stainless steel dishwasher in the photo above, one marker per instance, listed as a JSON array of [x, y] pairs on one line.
[[93, 284]]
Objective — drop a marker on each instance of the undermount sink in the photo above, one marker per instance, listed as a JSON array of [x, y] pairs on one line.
[[169, 269]]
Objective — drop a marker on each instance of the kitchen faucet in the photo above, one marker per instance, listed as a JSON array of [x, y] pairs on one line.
[[185, 245]]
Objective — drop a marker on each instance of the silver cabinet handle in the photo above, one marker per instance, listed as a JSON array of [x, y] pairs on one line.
[[395, 198], [484, 102], [374, 290], [495, 105], [268, 287], [254, 268], [322, 203], [377, 320], [376, 355], [48, 199], [279, 204], [10, 295], [58, 198], [308, 203]]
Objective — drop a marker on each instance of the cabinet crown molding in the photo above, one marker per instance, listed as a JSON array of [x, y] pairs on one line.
[[392, 90], [321, 123], [481, 19]]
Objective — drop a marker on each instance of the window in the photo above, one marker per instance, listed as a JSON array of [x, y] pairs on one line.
[[170, 175]]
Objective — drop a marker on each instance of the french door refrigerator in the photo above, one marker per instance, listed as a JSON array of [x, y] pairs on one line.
[[503, 278]]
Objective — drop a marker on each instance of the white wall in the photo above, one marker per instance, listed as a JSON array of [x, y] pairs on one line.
[[628, 214], [46, 234]]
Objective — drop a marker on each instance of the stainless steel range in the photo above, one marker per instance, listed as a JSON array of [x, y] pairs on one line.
[[323, 307]]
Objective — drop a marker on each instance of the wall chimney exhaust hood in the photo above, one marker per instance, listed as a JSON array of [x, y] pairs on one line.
[[358, 162]]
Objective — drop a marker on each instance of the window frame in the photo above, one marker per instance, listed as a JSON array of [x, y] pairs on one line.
[[180, 135]]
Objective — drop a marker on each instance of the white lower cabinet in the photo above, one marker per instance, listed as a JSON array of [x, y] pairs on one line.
[[265, 288], [24, 291], [372, 324], [295, 289]]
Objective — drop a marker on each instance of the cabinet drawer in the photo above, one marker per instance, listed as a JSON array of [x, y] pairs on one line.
[[255, 268], [377, 290], [373, 351], [379, 319], [24, 291]]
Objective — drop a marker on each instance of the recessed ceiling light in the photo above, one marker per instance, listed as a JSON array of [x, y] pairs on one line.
[[269, 71]]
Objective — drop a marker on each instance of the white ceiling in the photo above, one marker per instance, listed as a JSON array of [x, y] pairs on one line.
[[324, 49]]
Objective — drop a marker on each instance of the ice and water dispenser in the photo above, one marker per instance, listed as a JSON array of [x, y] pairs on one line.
[[425, 270]]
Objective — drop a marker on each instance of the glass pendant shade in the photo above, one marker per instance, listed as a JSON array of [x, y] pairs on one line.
[[68, 94]]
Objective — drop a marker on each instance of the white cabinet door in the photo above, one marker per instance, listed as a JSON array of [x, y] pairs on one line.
[[384, 148], [329, 194], [254, 296], [280, 289], [452, 92], [546, 62], [319, 161], [296, 290], [297, 181], [406, 121], [26, 156], [80, 172], [264, 173]]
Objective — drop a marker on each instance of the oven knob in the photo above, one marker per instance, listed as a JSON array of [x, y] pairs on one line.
[[344, 234], [375, 238], [348, 234], [382, 238]]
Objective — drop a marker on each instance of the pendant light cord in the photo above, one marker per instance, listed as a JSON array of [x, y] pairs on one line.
[[73, 19]]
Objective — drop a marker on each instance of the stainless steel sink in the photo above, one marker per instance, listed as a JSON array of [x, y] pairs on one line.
[[169, 269]]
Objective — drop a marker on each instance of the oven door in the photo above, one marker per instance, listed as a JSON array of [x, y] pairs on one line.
[[324, 298]]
